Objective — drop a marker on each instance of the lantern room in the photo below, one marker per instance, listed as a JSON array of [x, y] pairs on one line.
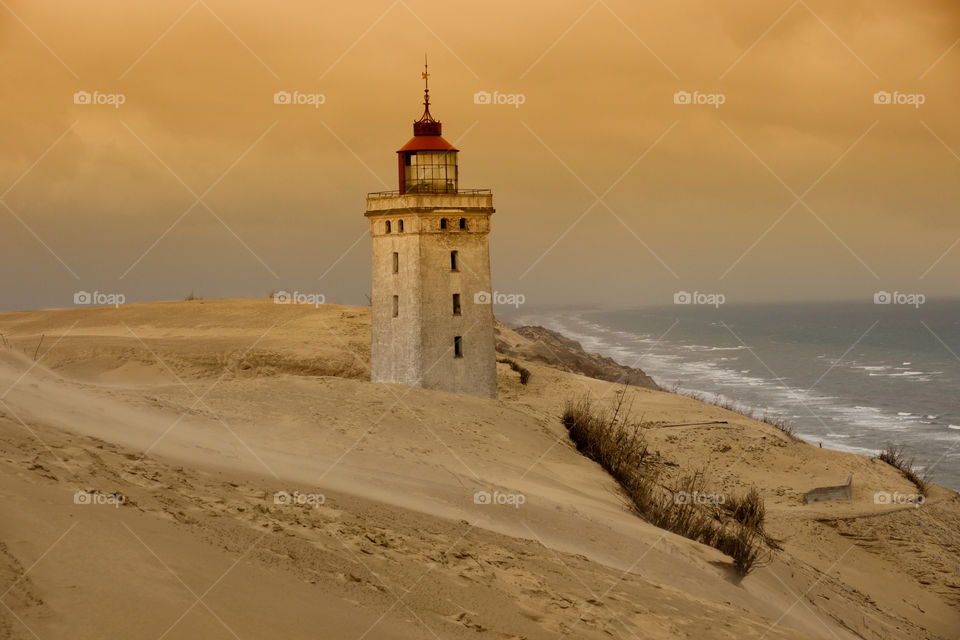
[[427, 163]]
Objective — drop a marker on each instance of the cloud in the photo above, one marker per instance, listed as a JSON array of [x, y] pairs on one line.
[[597, 98]]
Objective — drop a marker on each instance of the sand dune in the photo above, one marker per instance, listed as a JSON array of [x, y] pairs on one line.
[[199, 412]]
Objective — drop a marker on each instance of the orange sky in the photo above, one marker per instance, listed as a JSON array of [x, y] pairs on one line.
[[699, 197]]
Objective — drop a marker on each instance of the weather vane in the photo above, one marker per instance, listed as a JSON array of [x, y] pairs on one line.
[[426, 82]]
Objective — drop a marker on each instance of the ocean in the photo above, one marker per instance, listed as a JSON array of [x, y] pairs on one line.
[[852, 376]]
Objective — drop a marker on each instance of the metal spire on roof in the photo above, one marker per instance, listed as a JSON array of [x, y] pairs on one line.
[[426, 77], [427, 124], [426, 85]]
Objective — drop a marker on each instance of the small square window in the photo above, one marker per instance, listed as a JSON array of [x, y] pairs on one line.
[[463, 223]]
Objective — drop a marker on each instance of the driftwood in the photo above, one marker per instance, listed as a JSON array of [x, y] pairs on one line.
[[693, 424]]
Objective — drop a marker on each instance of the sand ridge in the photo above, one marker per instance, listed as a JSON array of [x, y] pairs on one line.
[[238, 399]]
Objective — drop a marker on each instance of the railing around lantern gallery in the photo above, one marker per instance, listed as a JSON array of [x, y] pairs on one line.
[[461, 192]]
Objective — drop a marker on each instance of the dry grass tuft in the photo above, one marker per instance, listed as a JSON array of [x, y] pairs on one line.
[[896, 456], [524, 372], [618, 444]]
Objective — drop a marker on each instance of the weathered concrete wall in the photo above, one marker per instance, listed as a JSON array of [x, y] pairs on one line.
[[395, 354], [839, 492], [417, 347], [430, 201], [475, 372]]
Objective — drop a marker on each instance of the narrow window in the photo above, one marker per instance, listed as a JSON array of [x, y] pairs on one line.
[[443, 223], [457, 347], [400, 226], [463, 223], [396, 306], [388, 226], [453, 261], [456, 304], [396, 262]]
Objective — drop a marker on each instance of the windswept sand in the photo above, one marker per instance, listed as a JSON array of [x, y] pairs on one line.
[[198, 412]]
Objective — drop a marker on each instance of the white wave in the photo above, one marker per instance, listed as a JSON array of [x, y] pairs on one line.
[[708, 371]]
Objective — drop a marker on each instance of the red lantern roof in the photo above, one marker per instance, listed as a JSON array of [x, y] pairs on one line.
[[427, 143]]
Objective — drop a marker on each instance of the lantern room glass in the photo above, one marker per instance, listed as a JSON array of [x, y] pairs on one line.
[[430, 172]]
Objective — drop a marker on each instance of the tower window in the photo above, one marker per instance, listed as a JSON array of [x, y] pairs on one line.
[[456, 304], [453, 261], [443, 223], [457, 346], [396, 306], [400, 226], [396, 262], [463, 223], [388, 226]]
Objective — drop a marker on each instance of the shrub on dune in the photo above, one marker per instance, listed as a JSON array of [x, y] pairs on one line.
[[609, 437]]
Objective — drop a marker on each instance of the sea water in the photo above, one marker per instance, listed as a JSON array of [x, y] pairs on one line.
[[849, 376]]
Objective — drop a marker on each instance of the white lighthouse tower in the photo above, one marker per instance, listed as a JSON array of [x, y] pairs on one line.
[[431, 306]]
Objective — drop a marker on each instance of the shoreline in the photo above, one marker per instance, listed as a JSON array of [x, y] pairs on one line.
[[599, 343]]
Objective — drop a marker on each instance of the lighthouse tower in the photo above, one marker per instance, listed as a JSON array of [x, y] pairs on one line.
[[431, 303]]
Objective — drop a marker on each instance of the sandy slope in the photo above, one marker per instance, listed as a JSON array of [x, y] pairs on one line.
[[234, 400]]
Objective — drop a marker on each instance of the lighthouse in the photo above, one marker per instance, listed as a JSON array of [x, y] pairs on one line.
[[432, 313]]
